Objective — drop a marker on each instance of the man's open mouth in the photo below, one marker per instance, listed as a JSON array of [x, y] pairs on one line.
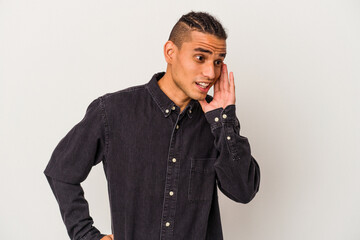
[[203, 85]]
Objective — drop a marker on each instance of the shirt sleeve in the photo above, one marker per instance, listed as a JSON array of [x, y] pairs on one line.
[[84, 146], [237, 172], [74, 210]]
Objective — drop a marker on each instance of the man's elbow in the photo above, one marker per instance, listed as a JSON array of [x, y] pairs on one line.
[[241, 195], [246, 198]]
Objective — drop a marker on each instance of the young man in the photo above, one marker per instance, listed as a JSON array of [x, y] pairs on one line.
[[165, 146]]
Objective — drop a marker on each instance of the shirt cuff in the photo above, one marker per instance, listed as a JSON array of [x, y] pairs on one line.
[[217, 117]]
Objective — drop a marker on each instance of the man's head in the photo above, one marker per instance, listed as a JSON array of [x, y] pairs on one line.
[[195, 52], [196, 21]]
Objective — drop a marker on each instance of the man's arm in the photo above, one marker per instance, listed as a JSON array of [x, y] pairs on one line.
[[84, 146], [74, 210], [237, 172]]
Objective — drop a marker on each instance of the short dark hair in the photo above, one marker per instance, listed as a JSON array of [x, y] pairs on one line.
[[196, 21]]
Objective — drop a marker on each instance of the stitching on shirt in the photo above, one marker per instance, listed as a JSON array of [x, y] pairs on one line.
[[129, 89], [84, 237], [153, 96], [104, 114], [167, 166], [193, 172], [233, 151], [216, 126], [106, 126]]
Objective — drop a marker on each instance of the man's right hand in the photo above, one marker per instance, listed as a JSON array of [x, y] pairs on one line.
[[108, 237]]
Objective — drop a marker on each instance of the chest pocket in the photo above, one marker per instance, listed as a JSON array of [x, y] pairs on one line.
[[202, 179]]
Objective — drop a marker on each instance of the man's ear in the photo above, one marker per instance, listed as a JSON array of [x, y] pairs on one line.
[[169, 51]]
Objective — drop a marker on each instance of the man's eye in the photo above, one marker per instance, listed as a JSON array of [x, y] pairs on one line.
[[218, 62], [200, 58]]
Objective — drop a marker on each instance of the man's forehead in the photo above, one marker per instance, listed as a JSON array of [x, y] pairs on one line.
[[221, 53], [207, 43]]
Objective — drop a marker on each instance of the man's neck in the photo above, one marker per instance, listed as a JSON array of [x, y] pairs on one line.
[[168, 86]]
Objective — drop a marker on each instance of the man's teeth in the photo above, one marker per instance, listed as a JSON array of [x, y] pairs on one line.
[[203, 85]]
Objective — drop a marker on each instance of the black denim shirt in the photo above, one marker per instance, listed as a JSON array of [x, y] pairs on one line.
[[162, 167]]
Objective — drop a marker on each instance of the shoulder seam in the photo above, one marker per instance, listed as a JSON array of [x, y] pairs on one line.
[[129, 89], [106, 125]]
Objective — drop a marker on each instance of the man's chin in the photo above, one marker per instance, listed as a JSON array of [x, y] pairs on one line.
[[201, 97]]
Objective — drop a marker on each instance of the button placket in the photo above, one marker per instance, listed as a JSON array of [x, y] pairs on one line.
[[171, 183]]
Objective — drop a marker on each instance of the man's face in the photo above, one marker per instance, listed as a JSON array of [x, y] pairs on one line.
[[199, 61]]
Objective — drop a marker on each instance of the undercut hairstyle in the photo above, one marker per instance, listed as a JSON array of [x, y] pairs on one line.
[[196, 21]]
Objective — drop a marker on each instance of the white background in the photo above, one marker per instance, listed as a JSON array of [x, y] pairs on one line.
[[296, 66]]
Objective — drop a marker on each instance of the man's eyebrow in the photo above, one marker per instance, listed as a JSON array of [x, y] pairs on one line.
[[208, 51]]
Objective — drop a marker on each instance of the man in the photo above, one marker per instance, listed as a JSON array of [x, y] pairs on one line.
[[165, 146]]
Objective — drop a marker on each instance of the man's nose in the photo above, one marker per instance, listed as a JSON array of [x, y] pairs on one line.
[[209, 71]]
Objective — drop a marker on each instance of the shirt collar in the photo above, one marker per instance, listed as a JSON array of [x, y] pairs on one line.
[[165, 104]]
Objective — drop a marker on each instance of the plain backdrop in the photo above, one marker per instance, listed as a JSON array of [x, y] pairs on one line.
[[297, 71]]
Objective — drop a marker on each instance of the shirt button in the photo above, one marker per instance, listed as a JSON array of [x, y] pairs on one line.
[[173, 108], [167, 224], [228, 137], [224, 116], [171, 193], [216, 119], [177, 126], [167, 110], [174, 159]]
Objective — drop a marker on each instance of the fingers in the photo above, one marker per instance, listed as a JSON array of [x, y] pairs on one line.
[[218, 82], [232, 83], [222, 77], [225, 86], [225, 82], [217, 85]]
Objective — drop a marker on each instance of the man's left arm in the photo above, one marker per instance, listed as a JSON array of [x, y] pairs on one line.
[[237, 172]]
